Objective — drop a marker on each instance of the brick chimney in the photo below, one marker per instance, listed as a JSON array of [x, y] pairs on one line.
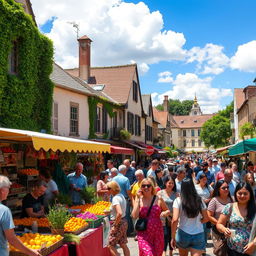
[[166, 103], [84, 57]]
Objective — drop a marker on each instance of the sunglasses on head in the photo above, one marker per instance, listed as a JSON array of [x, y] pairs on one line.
[[146, 185]]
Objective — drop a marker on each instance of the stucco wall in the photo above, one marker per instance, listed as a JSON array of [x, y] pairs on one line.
[[63, 98]]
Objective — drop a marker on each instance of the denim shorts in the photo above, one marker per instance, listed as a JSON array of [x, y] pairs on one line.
[[185, 240]]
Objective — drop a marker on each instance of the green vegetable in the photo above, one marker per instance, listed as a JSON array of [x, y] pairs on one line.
[[58, 216], [71, 238]]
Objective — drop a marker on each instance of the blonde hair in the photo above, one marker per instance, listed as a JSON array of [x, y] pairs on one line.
[[246, 178], [4, 182], [152, 182], [114, 186]]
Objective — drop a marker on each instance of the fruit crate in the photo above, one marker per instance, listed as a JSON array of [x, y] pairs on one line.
[[79, 231], [44, 251], [95, 223]]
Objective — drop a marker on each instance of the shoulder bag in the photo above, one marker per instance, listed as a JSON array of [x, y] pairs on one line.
[[221, 247], [141, 223]]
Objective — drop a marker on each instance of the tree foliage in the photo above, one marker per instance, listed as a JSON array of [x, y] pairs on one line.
[[247, 129], [177, 107], [25, 97], [216, 131]]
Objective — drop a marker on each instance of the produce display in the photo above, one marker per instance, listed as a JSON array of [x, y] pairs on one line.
[[75, 224], [41, 222], [37, 241], [29, 172], [99, 208], [8, 150], [16, 185]]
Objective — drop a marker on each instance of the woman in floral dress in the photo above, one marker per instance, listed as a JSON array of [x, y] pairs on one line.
[[240, 217], [151, 241]]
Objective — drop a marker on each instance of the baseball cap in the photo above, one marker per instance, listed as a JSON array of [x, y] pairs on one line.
[[214, 160]]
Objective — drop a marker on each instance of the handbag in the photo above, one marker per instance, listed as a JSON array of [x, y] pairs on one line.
[[221, 246], [141, 223]]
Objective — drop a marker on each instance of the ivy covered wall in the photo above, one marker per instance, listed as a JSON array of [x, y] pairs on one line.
[[26, 97]]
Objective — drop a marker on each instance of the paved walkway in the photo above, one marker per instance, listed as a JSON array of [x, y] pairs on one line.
[[133, 246]]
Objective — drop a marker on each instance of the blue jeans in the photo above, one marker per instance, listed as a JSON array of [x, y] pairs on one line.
[[129, 218]]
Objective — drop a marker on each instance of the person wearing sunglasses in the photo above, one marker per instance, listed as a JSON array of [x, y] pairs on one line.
[[240, 217], [151, 240], [220, 198], [120, 225], [7, 226]]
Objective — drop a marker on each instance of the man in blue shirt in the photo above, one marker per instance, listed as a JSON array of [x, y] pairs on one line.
[[130, 171], [125, 186], [152, 171], [209, 175], [77, 182], [7, 225]]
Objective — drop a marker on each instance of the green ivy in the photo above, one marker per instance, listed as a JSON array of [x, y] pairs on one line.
[[25, 98], [92, 102]]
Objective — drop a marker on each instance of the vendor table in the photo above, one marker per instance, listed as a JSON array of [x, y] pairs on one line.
[[62, 251], [91, 244]]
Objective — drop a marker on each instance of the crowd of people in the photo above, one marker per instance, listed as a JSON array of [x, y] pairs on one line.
[[180, 203]]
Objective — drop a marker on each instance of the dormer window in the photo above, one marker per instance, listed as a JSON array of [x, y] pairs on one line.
[[13, 59], [182, 121], [195, 121]]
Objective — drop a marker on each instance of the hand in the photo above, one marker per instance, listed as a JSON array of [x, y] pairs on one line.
[[227, 232], [249, 248], [139, 194], [173, 244], [163, 215], [35, 253]]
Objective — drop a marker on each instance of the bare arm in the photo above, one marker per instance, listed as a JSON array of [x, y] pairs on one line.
[[175, 218], [12, 239], [32, 214], [119, 214], [165, 210], [204, 216], [136, 208], [211, 218], [221, 225]]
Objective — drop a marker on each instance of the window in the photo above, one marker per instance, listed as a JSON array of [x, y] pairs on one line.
[[199, 143], [193, 143], [184, 133], [184, 143], [74, 114], [13, 58], [137, 125], [130, 122], [199, 131], [104, 120], [97, 124], [149, 134], [135, 91], [193, 133], [55, 117]]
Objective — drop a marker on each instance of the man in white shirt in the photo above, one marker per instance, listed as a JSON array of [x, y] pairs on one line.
[[215, 167], [153, 168]]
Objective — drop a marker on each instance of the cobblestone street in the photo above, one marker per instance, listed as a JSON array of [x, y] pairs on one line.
[[133, 246]]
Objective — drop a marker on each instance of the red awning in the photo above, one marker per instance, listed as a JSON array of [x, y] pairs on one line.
[[121, 150]]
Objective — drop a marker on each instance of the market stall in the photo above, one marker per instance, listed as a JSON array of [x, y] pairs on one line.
[[21, 153]]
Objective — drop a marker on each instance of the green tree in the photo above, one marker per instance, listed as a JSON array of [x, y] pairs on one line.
[[217, 131], [177, 107], [247, 129]]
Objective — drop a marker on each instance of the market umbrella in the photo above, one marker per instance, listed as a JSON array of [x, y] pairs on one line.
[[243, 147]]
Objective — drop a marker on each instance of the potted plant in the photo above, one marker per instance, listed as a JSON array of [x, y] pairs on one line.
[[125, 135], [58, 215]]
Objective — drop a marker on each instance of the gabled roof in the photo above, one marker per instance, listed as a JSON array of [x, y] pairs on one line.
[[117, 80], [161, 117], [239, 97], [64, 80], [191, 121]]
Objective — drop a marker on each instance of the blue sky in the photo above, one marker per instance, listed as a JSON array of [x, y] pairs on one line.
[[205, 47]]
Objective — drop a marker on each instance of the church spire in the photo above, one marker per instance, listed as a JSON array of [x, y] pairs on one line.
[[195, 100]]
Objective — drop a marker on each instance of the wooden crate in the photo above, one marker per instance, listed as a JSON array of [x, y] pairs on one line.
[[80, 230]]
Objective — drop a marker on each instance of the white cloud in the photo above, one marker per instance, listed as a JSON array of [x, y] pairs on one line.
[[210, 59], [185, 86], [245, 57], [120, 31], [165, 77]]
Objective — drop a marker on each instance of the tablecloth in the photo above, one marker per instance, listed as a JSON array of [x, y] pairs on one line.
[[62, 251], [91, 245]]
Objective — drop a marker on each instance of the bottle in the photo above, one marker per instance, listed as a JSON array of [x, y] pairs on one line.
[[34, 227]]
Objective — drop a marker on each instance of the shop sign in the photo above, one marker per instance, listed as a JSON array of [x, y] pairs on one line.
[[149, 150]]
